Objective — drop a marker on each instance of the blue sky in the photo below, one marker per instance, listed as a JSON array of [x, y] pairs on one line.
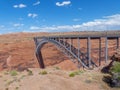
[[58, 15]]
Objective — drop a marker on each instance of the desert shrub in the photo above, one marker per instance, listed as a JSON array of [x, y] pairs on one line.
[[72, 74], [6, 88], [10, 82], [57, 68], [88, 81], [16, 88], [22, 76], [78, 72], [115, 68], [43, 72], [30, 72], [13, 73], [115, 72], [6, 73]]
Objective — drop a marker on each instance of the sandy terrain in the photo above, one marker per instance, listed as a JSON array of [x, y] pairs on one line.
[[54, 80]]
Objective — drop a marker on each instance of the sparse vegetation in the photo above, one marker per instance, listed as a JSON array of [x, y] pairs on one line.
[[13, 73], [30, 72], [115, 72], [10, 82], [115, 68], [6, 88], [11, 47], [88, 81], [6, 73], [72, 74], [22, 76], [114, 79], [16, 88], [43, 72], [57, 68]]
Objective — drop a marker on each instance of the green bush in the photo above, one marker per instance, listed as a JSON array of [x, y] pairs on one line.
[[72, 74], [43, 73], [115, 68], [16, 88], [30, 72], [6, 73], [13, 73], [78, 72], [118, 77], [115, 72], [57, 68]]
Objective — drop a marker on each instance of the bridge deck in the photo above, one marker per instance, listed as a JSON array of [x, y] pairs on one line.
[[74, 52]]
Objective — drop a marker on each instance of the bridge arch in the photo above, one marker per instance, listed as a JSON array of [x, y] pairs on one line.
[[84, 58], [58, 45]]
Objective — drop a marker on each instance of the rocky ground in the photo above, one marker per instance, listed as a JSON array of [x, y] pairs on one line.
[[17, 53]]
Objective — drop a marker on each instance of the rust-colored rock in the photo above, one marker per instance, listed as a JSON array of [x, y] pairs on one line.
[[17, 51], [116, 56]]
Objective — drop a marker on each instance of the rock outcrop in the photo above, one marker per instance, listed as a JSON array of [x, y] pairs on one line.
[[116, 56]]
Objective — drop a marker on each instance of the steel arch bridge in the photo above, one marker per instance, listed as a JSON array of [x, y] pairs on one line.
[[64, 44]]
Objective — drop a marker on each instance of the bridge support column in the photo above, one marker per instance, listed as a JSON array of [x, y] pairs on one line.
[[106, 50], [89, 51], [35, 40], [40, 59], [64, 41], [117, 42], [100, 51], [78, 47], [78, 52], [59, 40], [70, 44]]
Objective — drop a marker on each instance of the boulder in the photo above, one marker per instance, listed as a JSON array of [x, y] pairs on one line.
[[115, 80]]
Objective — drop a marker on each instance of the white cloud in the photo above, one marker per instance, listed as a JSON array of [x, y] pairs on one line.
[[20, 6], [2, 26], [15, 6], [79, 8], [33, 15], [106, 23], [52, 28], [76, 19], [18, 25], [34, 28], [20, 18], [64, 3], [36, 3]]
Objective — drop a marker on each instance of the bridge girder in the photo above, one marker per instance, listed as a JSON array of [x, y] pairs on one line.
[[70, 50]]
